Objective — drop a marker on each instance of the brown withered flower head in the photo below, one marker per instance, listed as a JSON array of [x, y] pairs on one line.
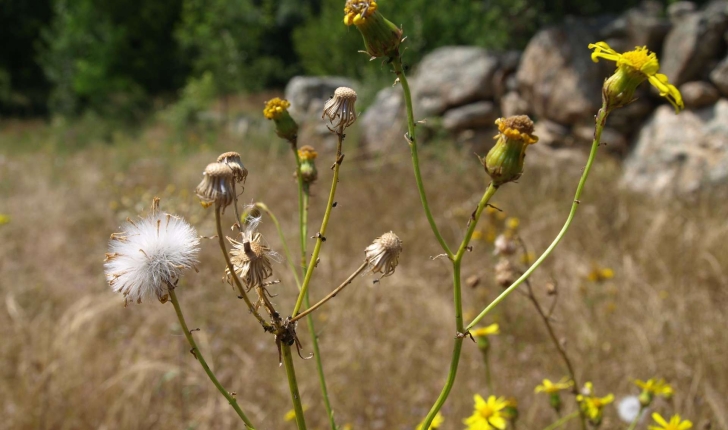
[[340, 109], [383, 254], [251, 256], [216, 186], [232, 160]]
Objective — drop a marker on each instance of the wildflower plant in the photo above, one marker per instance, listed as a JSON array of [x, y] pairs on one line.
[[148, 257]]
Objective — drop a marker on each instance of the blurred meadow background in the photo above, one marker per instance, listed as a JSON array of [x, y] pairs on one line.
[[104, 105]]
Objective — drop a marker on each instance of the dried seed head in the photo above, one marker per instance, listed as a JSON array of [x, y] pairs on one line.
[[505, 274], [505, 245], [340, 109], [383, 254], [149, 254], [232, 159], [216, 186], [251, 257]]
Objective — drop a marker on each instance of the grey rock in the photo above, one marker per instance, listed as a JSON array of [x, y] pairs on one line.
[[382, 125], [680, 153], [647, 25], [550, 133], [627, 120], [504, 79], [453, 76], [307, 94], [557, 77], [719, 76], [513, 104], [698, 94], [474, 115], [679, 10], [694, 42]]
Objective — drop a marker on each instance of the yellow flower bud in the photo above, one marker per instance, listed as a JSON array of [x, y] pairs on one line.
[[504, 162], [277, 110], [381, 37]]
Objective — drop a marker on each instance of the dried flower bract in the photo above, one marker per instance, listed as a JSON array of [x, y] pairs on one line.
[[216, 186], [383, 254], [251, 257], [149, 254], [340, 109], [233, 161]]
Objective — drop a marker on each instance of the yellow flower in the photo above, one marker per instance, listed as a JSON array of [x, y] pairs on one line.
[[593, 405], [512, 223], [381, 37], [658, 387], [291, 415], [487, 414], [4, 219], [275, 108], [599, 274], [477, 235], [633, 68], [549, 387], [675, 423], [307, 153], [435, 424], [492, 329]]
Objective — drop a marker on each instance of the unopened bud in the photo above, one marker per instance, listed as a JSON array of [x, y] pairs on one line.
[[277, 110], [504, 162], [381, 37]]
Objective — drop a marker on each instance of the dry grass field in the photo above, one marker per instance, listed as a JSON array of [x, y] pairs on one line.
[[72, 357]]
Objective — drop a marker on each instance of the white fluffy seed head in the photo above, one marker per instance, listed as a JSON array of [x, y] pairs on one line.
[[628, 408], [150, 253]]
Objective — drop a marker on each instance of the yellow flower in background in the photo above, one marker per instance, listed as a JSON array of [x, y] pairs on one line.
[[549, 387], [291, 415], [477, 235], [491, 330], [435, 424], [675, 423], [600, 274], [4, 219], [488, 414], [633, 68], [593, 405], [656, 386], [512, 223]]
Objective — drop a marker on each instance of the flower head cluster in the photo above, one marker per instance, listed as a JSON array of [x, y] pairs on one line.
[[676, 423], [251, 256], [633, 68], [381, 37], [340, 109], [592, 405], [277, 110], [383, 254], [488, 414], [149, 255], [504, 162]]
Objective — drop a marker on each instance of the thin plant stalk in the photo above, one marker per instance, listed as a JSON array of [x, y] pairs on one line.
[[293, 386], [198, 355], [563, 420], [600, 122], [332, 294], [457, 298], [399, 70], [234, 275], [636, 419], [320, 237], [559, 347]]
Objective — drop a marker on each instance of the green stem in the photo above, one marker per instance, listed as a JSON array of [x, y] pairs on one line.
[[198, 355], [332, 294], [286, 250], [320, 367], [562, 421], [600, 121], [293, 386], [399, 70], [634, 422], [320, 237], [234, 275], [457, 298]]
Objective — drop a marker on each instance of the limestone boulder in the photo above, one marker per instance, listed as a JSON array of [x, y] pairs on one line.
[[308, 94], [694, 43], [719, 76], [557, 77], [680, 153], [474, 115], [452, 76], [697, 94], [383, 125]]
